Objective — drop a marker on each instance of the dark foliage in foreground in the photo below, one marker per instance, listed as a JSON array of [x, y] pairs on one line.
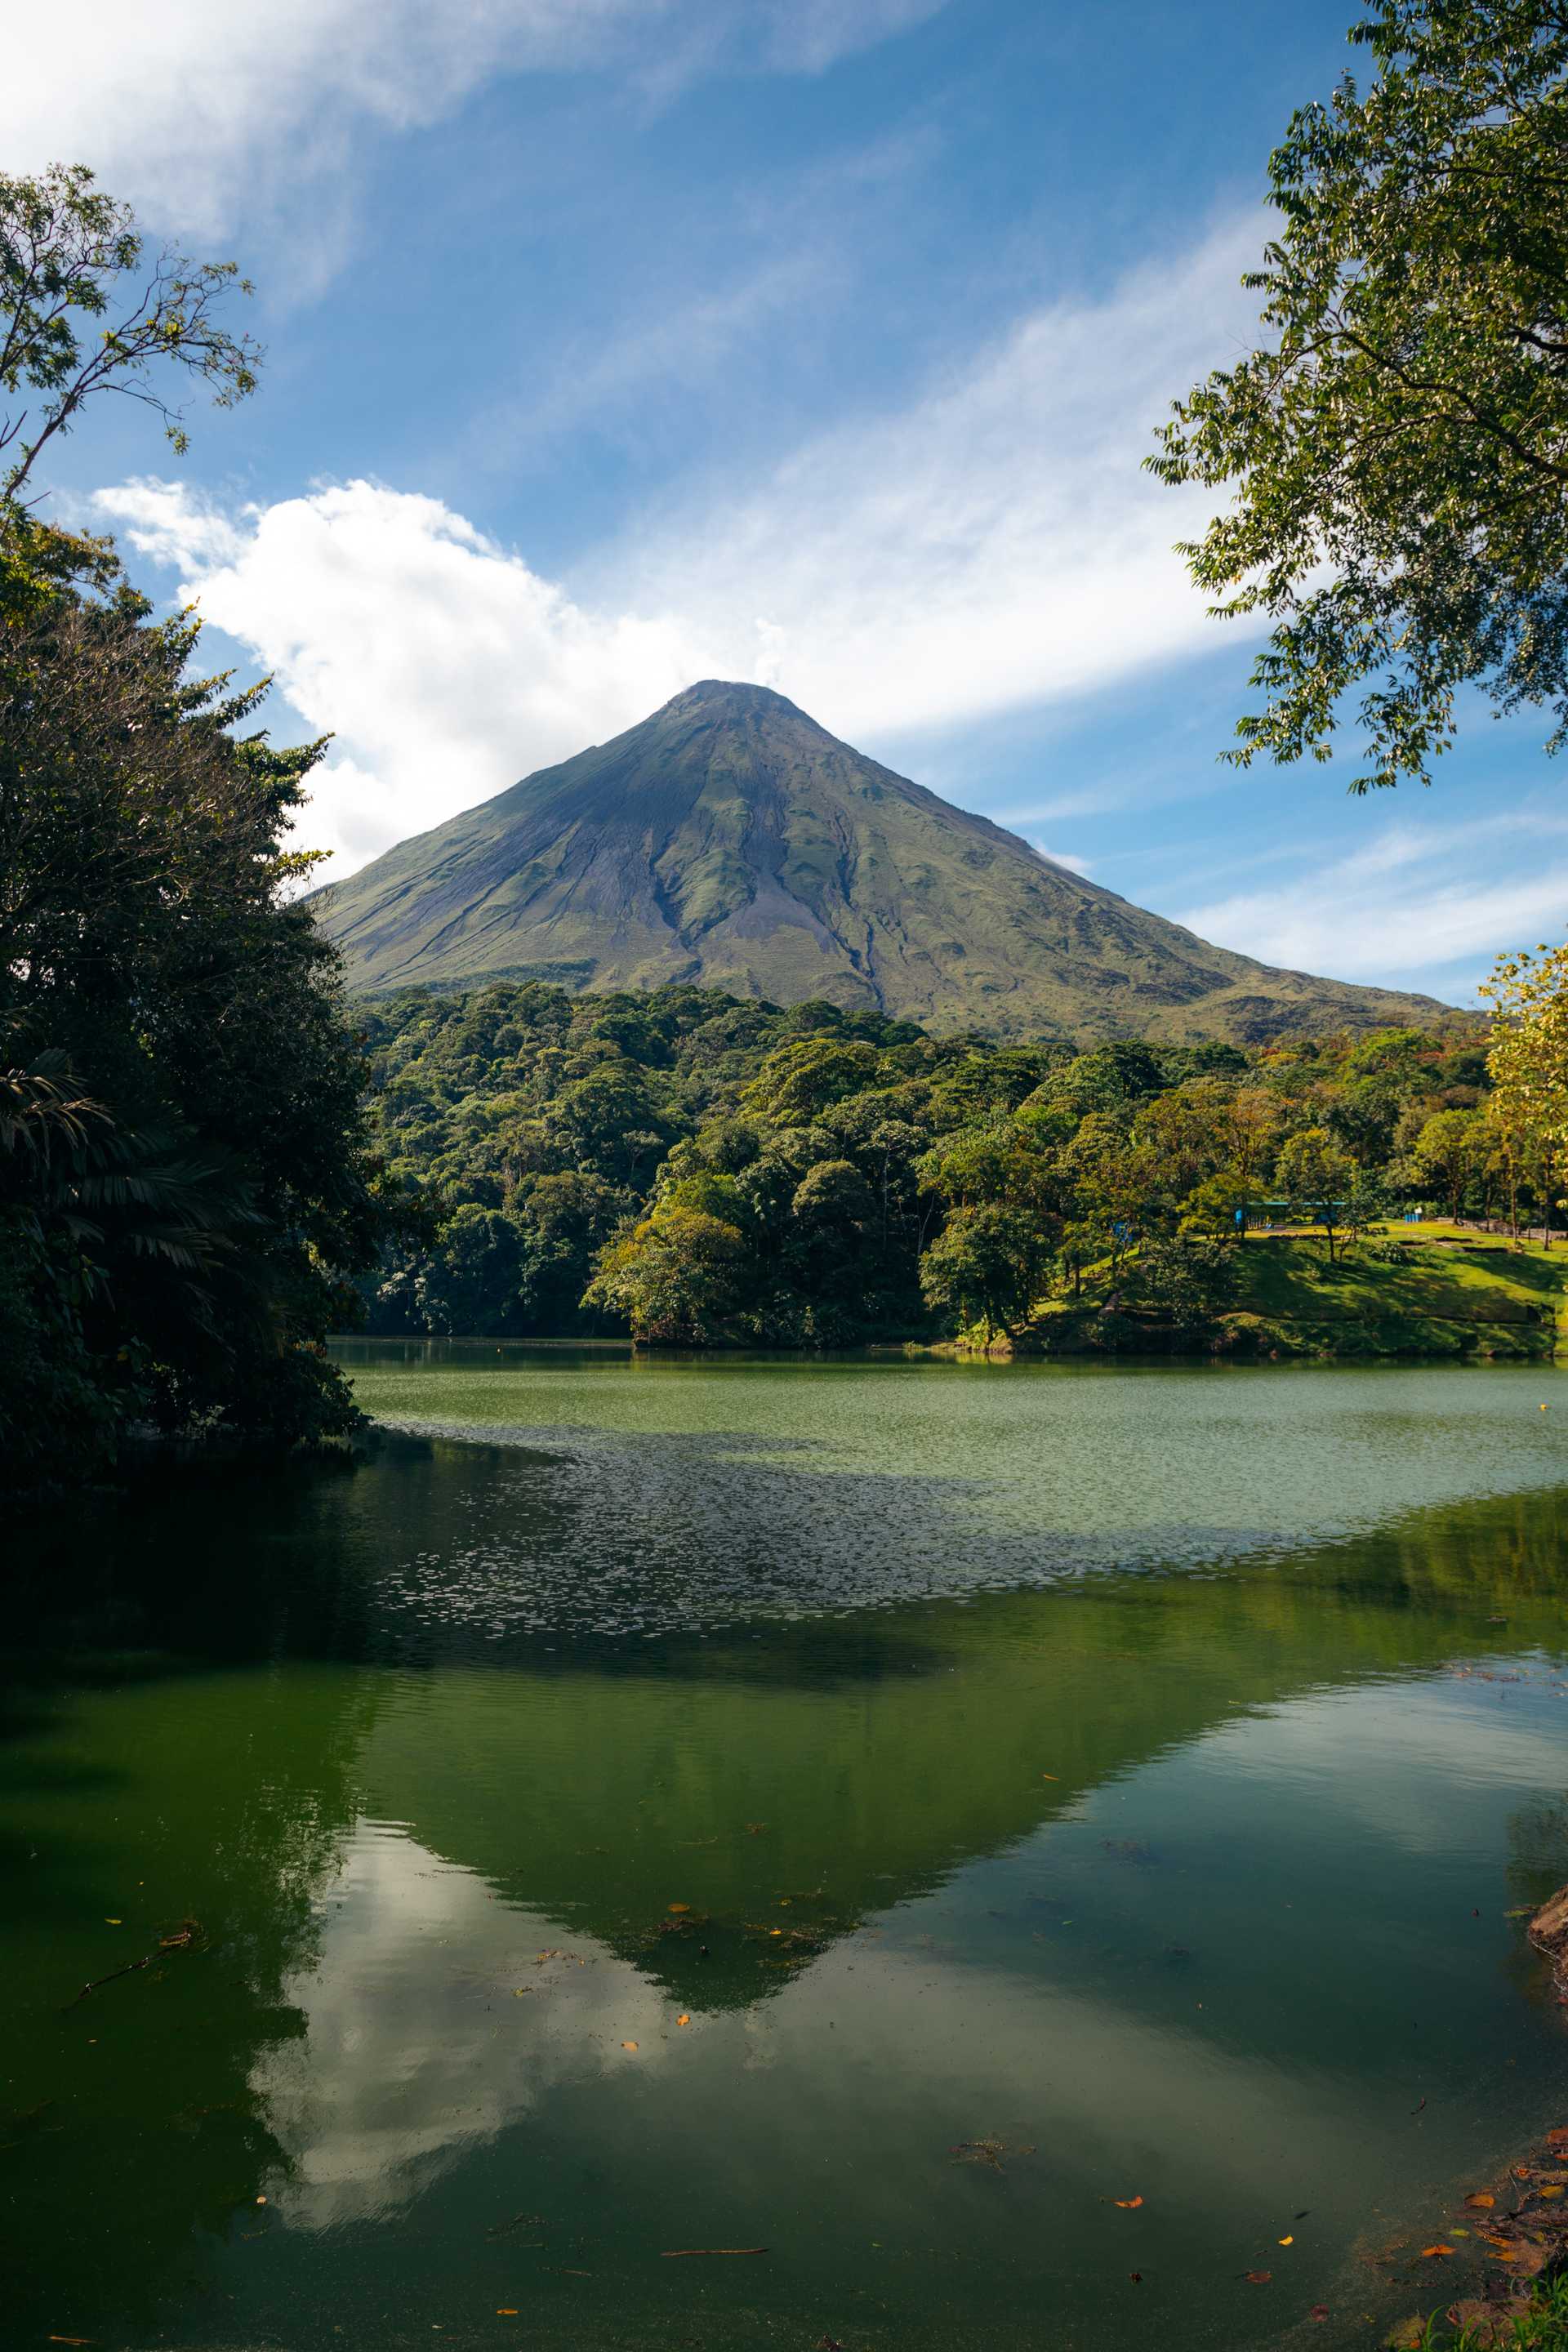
[[184, 1182]]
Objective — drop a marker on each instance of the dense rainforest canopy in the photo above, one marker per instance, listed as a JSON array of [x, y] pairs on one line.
[[690, 1167]]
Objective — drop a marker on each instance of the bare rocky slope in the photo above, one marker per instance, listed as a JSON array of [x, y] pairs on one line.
[[731, 842]]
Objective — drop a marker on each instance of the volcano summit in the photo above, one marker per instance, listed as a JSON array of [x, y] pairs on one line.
[[731, 842]]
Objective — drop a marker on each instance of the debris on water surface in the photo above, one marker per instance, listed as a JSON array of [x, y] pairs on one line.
[[988, 2152], [188, 1933]]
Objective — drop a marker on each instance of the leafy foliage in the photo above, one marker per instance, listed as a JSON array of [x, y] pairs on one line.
[[695, 1169], [184, 1179], [66, 249], [1400, 436], [186, 1185]]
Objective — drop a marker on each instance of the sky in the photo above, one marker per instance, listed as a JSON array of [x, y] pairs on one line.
[[615, 343]]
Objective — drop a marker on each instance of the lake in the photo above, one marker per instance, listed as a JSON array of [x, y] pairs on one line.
[[1018, 1846]]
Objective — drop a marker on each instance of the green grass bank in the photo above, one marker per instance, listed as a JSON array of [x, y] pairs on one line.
[[1450, 1293]]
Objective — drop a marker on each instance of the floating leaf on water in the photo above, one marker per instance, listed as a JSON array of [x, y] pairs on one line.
[[677, 1906], [684, 2018], [1430, 2253], [1258, 2278], [1481, 2201], [1128, 2204], [506, 2311], [629, 2045], [1554, 2190]]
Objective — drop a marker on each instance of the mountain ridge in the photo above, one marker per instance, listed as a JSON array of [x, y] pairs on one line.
[[731, 842]]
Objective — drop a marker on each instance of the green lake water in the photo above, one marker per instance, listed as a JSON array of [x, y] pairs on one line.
[[881, 1812]]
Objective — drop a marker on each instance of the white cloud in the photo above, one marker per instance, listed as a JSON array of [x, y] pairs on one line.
[[992, 545], [445, 666], [1413, 898], [1068, 857], [201, 112]]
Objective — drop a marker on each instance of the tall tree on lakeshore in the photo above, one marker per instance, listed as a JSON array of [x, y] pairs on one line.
[[185, 1179], [1398, 442]]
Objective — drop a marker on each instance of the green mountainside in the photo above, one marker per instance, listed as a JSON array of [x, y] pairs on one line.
[[729, 842]]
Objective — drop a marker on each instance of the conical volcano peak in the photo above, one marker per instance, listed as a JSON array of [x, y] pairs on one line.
[[721, 697], [731, 842]]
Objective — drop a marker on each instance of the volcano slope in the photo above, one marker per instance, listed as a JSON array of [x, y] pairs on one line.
[[729, 842]]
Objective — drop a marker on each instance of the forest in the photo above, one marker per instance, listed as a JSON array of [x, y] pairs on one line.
[[694, 1169]]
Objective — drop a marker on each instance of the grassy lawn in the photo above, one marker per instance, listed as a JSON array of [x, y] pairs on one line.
[[1435, 1290], [1447, 1276]]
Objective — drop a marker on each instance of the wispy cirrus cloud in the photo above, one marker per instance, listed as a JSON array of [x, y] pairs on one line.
[[991, 545], [202, 113], [1413, 898]]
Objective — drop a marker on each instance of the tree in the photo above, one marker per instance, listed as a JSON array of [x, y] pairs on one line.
[[986, 1268], [203, 1226], [66, 249], [1217, 1206], [1528, 1060], [1317, 1178], [1399, 439], [185, 1183], [1187, 1281], [1447, 1151], [677, 1278]]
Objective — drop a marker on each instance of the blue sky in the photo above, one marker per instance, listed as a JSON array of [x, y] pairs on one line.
[[617, 343]]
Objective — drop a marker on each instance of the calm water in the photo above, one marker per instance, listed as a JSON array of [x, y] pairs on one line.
[[882, 1813]]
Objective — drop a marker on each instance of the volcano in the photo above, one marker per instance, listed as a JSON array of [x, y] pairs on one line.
[[732, 842]]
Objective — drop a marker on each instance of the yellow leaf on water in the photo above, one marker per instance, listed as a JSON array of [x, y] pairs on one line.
[[629, 2045], [1287, 2242], [506, 2311], [1556, 2191], [1482, 2201], [114, 1923], [1429, 2253], [677, 1906], [684, 2018]]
